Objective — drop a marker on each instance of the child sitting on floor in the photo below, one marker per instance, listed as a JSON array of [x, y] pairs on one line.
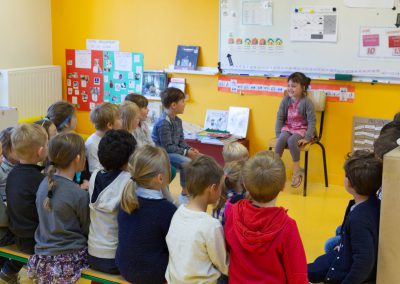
[[355, 258], [195, 240], [263, 241]]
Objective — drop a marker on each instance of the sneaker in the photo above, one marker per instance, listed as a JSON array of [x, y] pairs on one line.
[[10, 278]]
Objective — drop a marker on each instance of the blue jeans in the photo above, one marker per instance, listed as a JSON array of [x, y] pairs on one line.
[[179, 162], [333, 242]]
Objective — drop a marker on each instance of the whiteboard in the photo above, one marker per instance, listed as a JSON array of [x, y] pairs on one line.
[[244, 44]]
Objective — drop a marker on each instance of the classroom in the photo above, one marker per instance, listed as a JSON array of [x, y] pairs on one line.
[[39, 32]]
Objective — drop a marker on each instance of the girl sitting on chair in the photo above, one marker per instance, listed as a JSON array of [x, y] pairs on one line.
[[295, 123]]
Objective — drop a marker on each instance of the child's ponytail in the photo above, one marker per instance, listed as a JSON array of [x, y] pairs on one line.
[[63, 149], [129, 201], [50, 185], [145, 164]]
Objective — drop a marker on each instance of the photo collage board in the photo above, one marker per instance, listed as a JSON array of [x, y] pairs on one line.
[[95, 76]]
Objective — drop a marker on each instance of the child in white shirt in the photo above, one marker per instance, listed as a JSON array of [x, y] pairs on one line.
[[195, 240]]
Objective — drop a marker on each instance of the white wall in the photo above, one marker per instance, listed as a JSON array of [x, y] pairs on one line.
[[25, 33]]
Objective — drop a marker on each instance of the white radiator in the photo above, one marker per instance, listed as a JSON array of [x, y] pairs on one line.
[[31, 90]]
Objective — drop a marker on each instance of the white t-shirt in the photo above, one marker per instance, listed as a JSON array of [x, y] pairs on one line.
[[92, 146], [196, 245]]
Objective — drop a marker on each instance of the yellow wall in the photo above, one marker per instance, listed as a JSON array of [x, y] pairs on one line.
[[25, 29], [156, 27]]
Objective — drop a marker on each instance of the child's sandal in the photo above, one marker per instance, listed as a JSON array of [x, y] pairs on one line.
[[297, 178]]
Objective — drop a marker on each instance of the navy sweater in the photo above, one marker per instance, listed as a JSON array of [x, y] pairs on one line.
[[22, 186], [142, 254]]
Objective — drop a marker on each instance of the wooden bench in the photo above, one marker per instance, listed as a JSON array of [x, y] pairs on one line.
[[12, 252]]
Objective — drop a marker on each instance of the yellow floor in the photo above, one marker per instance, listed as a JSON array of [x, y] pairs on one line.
[[317, 215]]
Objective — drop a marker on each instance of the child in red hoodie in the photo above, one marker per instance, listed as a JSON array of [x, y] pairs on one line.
[[263, 241]]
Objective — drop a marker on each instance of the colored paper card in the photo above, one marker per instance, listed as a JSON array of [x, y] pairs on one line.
[[371, 40], [124, 75], [98, 44], [84, 78]]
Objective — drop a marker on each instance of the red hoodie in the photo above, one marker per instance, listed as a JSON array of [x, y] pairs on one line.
[[264, 245]]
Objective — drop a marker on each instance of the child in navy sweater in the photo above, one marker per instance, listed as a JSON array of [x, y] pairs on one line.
[[144, 219], [354, 260], [30, 144]]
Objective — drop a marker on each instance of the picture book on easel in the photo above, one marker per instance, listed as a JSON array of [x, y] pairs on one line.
[[186, 57]]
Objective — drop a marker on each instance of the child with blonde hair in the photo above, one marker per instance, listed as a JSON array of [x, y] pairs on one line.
[[263, 241], [63, 115], [104, 117], [29, 142], [231, 190], [62, 207], [105, 189], [235, 151], [142, 132], [195, 240], [144, 218], [130, 116]]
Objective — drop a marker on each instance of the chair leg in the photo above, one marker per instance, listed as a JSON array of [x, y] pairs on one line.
[[324, 161], [305, 173]]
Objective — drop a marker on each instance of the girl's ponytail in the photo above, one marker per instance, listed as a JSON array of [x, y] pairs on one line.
[[63, 149], [129, 201], [144, 165], [51, 185]]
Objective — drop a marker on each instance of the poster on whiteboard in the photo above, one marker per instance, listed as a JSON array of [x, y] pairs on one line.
[[389, 4], [379, 43], [314, 23]]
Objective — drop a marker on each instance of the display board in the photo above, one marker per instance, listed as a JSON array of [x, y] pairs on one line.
[[278, 37], [95, 76], [365, 131]]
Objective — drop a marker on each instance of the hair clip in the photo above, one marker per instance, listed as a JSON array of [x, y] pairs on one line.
[[50, 194], [133, 179]]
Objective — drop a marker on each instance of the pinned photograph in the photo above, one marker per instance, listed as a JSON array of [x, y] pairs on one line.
[[69, 62], [84, 97], [117, 87], [69, 91], [97, 80], [75, 85], [76, 92], [68, 82], [131, 84]]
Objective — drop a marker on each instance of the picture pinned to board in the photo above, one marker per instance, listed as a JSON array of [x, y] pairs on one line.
[[154, 82]]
